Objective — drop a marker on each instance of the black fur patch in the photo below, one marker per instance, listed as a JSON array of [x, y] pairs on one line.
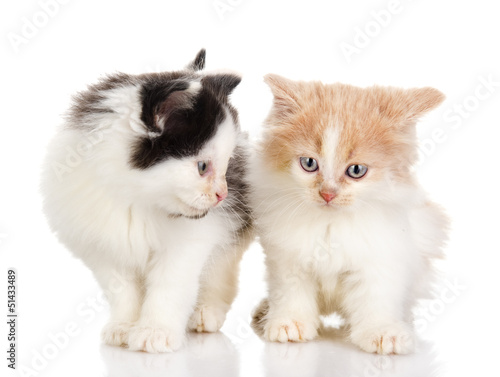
[[154, 94], [187, 126], [185, 131]]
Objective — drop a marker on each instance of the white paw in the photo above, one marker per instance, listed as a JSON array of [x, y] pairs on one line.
[[396, 339], [207, 319], [154, 340], [116, 333], [284, 330]]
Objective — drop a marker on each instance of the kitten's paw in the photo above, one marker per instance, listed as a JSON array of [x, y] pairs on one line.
[[116, 333], [207, 319], [396, 339], [154, 340], [289, 331]]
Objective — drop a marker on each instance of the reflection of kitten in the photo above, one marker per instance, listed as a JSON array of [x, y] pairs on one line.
[[145, 200], [344, 225]]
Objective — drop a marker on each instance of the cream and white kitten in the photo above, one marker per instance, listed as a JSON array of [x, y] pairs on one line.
[[344, 225], [135, 185]]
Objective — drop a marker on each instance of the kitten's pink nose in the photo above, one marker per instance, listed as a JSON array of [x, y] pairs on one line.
[[221, 195], [328, 196]]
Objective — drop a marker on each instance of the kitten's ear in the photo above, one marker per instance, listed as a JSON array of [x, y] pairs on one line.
[[221, 84], [285, 92], [199, 61], [410, 104], [159, 103], [423, 100]]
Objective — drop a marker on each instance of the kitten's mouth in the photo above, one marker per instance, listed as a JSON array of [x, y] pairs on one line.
[[323, 203], [335, 205], [328, 205]]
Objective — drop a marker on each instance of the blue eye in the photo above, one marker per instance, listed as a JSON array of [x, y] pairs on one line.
[[309, 164], [202, 167], [356, 171]]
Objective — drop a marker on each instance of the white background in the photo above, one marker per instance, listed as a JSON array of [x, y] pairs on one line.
[[450, 45]]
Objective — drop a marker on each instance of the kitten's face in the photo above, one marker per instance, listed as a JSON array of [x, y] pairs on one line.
[[341, 145], [190, 186], [190, 134]]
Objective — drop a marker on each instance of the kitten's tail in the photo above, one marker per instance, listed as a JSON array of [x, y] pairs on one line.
[[259, 317]]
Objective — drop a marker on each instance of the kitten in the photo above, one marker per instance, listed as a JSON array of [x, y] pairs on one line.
[[146, 185], [344, 225]]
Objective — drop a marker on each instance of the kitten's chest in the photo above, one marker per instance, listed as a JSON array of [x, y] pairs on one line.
[[171, 234], [328, 255], [346, 243]]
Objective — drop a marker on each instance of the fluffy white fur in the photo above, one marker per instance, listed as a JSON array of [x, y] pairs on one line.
[[366, 255], [369, 264], [118, 221]]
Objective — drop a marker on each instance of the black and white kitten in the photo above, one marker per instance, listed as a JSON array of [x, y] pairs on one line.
[[146, 184]]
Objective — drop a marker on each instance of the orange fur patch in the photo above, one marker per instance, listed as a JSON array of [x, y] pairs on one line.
[[375, 125]]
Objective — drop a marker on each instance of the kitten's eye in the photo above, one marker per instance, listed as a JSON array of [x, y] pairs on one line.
[[309, 164], [203, 167], [356, 171]]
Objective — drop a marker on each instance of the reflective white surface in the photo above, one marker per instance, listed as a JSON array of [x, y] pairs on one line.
[[455, 338], [215, 355]]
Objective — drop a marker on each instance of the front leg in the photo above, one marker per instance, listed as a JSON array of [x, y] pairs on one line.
[[376, 303], [171, 289], [292, 311], [124, 293], [219, 285]]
